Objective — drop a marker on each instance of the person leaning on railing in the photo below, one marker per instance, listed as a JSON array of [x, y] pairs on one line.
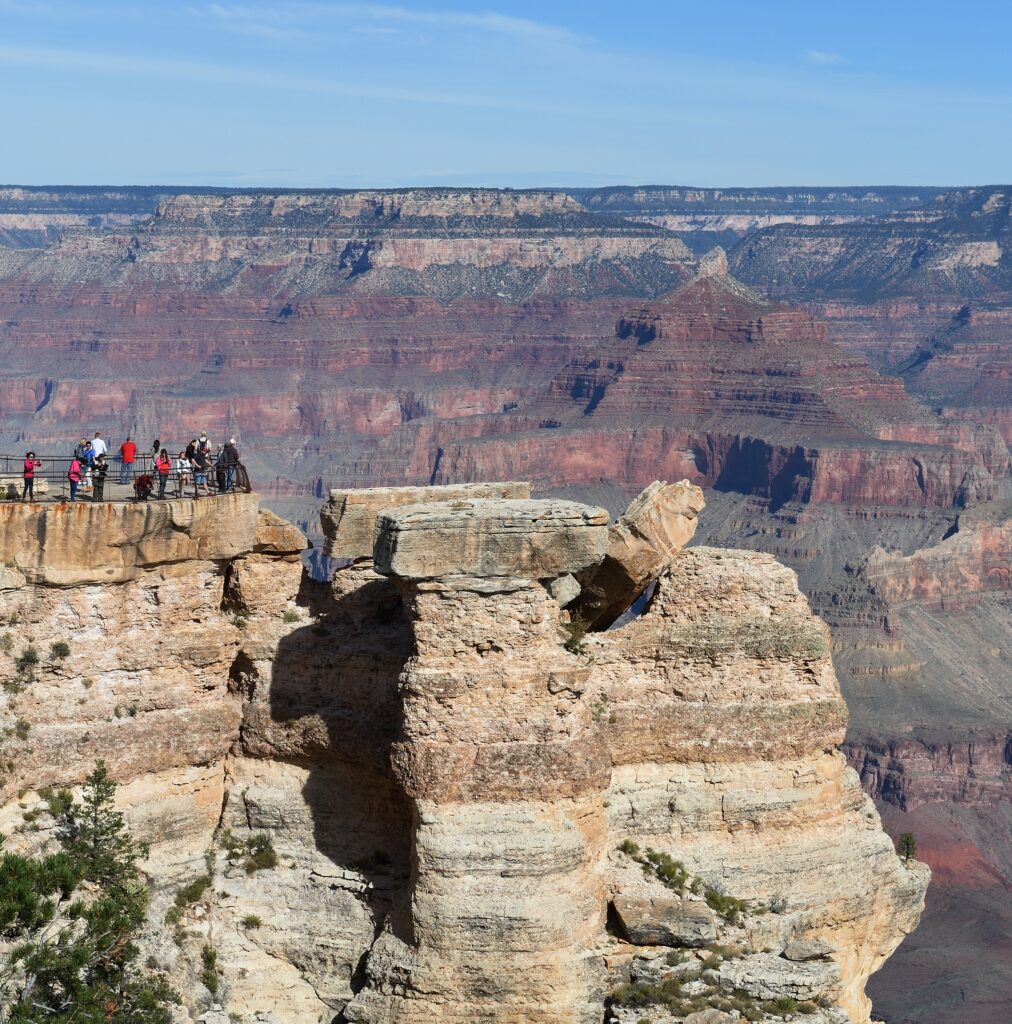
[[127, 454]]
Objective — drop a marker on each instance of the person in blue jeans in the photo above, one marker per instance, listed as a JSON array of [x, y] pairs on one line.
[[74, 476], [230, 455]]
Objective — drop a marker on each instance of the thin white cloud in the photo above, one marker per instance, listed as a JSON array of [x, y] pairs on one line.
[[194, 71], [488, 22], [16, 7], [823, 57]]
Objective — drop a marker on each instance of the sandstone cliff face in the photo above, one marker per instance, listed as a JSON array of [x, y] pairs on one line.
[[446, 769]]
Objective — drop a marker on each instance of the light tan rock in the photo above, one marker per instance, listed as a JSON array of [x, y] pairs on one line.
[[658, 921], [808, 949], [446, 784], [11, 578], [488, 537], [112, 542], [767, 976], [348, 517], [658, 523], [277, 536]]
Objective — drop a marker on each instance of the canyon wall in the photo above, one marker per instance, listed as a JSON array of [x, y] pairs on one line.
[[572, 338]]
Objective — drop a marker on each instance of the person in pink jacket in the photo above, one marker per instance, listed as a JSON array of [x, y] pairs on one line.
[[31, 465], [74, 476]]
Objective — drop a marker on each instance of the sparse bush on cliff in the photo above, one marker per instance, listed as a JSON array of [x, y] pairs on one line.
[[674, 875], [251, 922], [256, 852], [731, 909], [782, 1006], [59, 650], [58, 802], [209, 971]]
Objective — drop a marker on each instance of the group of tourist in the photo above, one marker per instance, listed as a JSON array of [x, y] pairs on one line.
[[198, 464]]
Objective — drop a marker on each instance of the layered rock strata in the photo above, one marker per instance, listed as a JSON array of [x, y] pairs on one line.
[[707, 728]]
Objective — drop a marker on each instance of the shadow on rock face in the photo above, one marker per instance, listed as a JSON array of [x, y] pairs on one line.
[[332, 708]]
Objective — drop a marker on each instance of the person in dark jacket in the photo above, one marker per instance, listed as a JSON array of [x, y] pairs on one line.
[[98, 472], [231, 459], [31, 465]]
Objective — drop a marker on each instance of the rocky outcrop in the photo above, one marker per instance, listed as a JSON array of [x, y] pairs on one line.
[[348, 517], [454, 781], [641, 545]]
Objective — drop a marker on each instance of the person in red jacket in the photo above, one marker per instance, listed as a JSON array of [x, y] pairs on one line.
[[163, 466], [127, 454], [31, 465]]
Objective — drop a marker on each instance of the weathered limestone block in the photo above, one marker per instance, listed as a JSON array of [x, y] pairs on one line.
[[486, 537], [808, 949], [111, 542], [504, 769], [658, 523], [725, 756], [348, 517], [262, 583], [277, 536], [766, 976], [11, 578], [665, 922]]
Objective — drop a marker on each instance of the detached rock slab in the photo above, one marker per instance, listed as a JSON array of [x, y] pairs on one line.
[[665, 922], [658, 523], [277, 536], [348, 517], [487, 537], [808, 949], [767, 976]]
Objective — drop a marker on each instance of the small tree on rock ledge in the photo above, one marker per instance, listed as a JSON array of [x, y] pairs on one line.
[[907, 847]]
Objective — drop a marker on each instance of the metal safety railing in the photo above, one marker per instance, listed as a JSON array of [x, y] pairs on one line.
[[138, 480]]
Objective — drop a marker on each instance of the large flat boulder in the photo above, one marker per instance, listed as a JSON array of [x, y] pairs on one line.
[[665, 922], [658, 523], [348, 517], [115, 541], [488, 537], [767, 976]]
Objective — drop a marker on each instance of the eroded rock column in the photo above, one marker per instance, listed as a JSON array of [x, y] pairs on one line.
[[504, 766]]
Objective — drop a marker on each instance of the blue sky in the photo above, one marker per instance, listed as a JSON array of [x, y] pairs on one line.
[[333, 94]]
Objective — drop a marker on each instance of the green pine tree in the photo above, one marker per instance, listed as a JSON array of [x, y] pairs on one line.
[[72, 920]]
